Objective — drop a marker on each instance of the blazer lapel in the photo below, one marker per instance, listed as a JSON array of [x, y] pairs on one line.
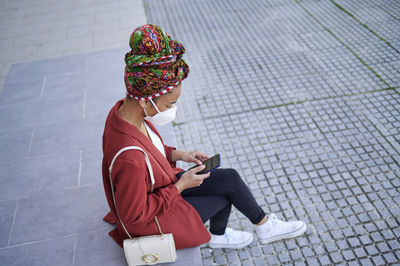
[[121, 125]]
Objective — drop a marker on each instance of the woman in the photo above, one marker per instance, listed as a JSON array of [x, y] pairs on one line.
[[182, 200]]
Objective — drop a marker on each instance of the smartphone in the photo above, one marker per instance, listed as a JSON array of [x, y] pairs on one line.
[[211, 164]]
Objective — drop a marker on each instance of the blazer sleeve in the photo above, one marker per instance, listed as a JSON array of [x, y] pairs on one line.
[[168, 153], [134, 204]]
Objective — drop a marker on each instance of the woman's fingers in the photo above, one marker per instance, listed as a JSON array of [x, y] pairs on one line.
[[198, 169], [197, 161], [199, 177], [192, 158], [200, 155], [204, 176], [192, 179]]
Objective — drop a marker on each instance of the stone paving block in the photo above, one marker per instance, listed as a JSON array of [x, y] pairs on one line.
[[108, 59], [98, 105], [15, 55], [18, 92], [66, 136], [58, 214], [40, 253], [127, 22], [39, 39], [39, 175], [111, 37], [98, 248], [58, 47], [91, 29], [15, 143], [390, 258], [106, 79], [66, 84], [90, 171], [45, 68], [47, 111], [62, 24], [378, 260]]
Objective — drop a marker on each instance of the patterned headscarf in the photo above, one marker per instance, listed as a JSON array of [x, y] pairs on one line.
[[154, 65]]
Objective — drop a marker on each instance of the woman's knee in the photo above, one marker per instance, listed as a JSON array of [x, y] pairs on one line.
[[228, 175]]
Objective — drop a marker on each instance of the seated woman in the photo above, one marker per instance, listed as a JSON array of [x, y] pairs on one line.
[[182, 200]]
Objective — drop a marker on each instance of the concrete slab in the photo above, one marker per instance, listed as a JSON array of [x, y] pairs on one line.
[[46, 111], [60, 213], [46, 67], [39, 175], [15, 143], [21, 91], [40, 253], [67, 136]]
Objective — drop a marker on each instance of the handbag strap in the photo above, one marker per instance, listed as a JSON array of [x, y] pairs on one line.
[[151, 177]]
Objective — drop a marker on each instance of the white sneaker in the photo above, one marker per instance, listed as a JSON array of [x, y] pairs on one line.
[[275, 229], [231, 239]]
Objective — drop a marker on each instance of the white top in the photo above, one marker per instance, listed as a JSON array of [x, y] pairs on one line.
[[155, 139]]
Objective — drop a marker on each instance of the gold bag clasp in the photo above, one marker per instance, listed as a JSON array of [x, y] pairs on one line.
[[150, 258]]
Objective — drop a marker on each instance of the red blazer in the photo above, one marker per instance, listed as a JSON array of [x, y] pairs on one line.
[[136, 205]]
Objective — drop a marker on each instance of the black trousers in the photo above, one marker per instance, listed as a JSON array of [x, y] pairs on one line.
[[214, 198]]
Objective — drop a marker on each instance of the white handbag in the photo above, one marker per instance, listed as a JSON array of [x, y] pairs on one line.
[[145, 250]]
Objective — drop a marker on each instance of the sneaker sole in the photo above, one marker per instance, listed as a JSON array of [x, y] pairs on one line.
[[296, 233], [232, 246]]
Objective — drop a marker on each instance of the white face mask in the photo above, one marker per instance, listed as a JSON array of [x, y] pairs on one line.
[[161, 118]]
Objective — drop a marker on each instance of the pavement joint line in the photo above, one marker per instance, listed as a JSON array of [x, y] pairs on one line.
[[363, 24], [42, 88], [84, 105], [80, 167], [25, 196], [74, 255], [31, 141], [12, 224], [54, 238], [338, 39]]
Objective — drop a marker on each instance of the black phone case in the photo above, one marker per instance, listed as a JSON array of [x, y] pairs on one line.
[[211, 163]]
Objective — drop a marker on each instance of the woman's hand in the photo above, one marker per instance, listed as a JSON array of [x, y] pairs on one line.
[[191, 179], [196, 157]]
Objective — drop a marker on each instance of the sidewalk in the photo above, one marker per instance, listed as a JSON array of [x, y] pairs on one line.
[[33, 30], [301, 97]]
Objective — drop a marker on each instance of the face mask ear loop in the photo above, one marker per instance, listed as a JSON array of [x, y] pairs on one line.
[[144, 109], [155, 106]]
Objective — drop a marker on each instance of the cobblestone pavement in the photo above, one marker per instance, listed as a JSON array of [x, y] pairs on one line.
[[302, 98]]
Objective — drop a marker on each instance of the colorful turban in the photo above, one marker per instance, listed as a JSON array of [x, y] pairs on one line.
[[154, 65]]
